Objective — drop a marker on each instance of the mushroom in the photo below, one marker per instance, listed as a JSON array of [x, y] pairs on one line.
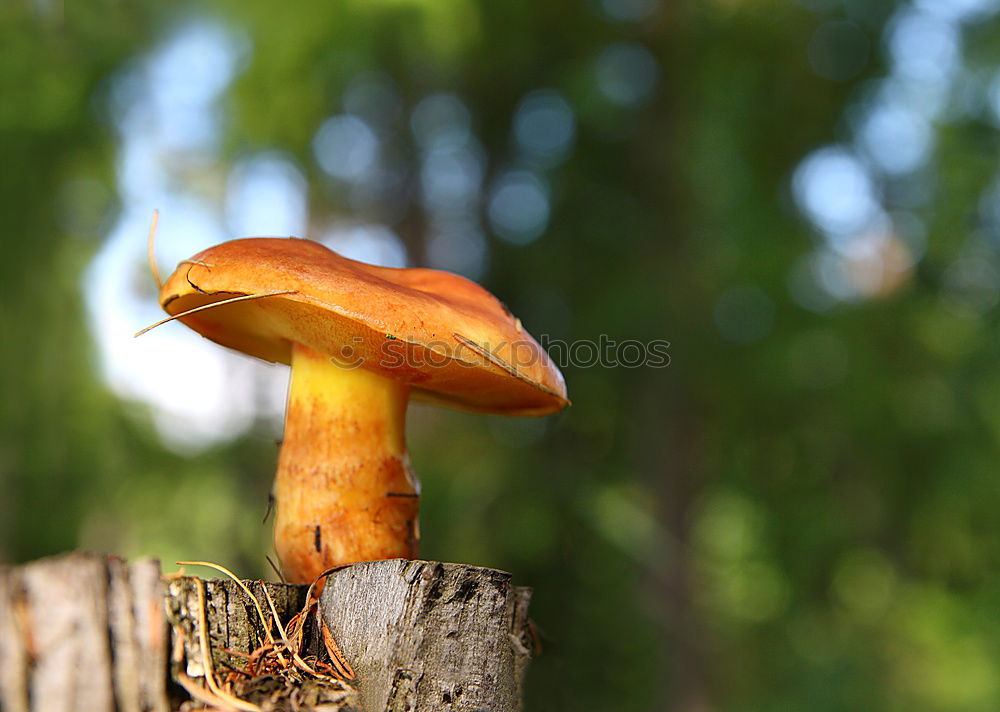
[[360, 340]]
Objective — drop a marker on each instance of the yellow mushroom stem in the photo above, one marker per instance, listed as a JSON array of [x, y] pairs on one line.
[[344, 490]]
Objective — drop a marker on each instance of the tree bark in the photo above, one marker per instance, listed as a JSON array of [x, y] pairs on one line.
[[82, 631], [431, 636]]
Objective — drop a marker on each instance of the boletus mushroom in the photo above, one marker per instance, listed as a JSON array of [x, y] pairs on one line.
[[360, 340]]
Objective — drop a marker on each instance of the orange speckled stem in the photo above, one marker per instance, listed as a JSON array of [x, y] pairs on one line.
[[344, 490]]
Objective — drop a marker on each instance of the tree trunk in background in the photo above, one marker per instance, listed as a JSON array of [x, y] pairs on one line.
[[671, 445], [83, 631]]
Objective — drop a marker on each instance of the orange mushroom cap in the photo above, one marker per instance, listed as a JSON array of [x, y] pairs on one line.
[[449, 339]]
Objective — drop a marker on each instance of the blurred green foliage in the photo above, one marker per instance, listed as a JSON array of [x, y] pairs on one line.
[[800, 518]]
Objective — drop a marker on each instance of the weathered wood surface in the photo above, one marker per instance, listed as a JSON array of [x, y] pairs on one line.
[[431, 636], [235, 632], [82, 632], [86, 632]]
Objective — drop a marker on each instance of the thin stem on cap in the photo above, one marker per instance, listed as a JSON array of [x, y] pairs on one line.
[[203, 307], [151, 250]]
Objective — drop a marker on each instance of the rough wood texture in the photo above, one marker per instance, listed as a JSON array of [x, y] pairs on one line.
[[430, 636], [235, 631], [233, 622], [86, 632], [82, 632]]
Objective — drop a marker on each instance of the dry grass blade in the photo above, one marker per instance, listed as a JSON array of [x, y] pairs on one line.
[[265, 676], [220, 303], [260, 611], [295, 627], [151, 250], [274, 567], [206, 654], [340, 663], [309, 591], [281, 629], [201, 694], [500, 363]]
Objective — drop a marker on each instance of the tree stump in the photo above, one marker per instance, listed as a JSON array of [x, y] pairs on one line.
[[86, 632], [82, 633], [431, 636]]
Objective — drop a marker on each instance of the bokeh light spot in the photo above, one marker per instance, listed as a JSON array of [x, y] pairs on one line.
[[958, 10], [458, 245], [627, 74], [544, 126], [835, 190], [345, 147], [374, 97], [266, 195], [374, 244], [440, 118], [450, 177], [923, 46], [519, 207], [897, 138], [184, 76]]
